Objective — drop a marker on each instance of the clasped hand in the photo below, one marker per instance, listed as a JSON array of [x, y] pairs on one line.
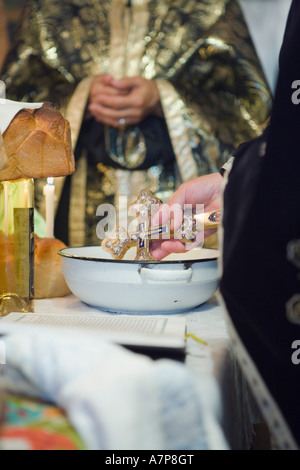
[[130, 98]]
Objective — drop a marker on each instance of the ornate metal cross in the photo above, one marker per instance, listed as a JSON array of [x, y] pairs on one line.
[[119, 241], [142, 208]]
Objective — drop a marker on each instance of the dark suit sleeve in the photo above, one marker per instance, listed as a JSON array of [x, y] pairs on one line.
[[260, 284]]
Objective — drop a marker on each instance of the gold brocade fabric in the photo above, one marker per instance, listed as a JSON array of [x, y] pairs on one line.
[[4, 42], [213, 92]]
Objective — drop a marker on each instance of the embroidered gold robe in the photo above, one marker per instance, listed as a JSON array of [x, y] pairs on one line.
[[213, 92], [3, 35]]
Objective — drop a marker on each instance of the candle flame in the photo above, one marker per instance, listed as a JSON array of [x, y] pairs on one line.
[[50, 181]]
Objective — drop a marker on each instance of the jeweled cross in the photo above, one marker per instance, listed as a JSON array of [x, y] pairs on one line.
[[142, 208], [119, 241]]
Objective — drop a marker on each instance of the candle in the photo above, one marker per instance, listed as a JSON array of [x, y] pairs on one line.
[[6, 208], [49, 196]]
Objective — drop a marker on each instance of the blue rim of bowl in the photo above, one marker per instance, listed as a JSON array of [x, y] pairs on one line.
[[122, 261]]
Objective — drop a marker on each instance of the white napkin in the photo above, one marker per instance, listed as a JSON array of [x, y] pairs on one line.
[[115, 399], [8, 110]]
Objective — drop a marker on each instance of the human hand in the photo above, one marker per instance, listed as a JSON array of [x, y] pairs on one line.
[[206, 190], [130, 99], [101, 86]]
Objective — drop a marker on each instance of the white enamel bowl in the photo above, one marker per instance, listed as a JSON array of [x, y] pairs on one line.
[[178, 283]]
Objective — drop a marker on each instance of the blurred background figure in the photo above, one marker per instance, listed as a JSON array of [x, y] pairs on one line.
[[4, 40], [156, 93], [265, 18]]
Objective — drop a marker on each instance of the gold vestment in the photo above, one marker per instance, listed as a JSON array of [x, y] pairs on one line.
[[213, 92]]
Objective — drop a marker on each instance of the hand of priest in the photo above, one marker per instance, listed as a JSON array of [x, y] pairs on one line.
[[129, 100]]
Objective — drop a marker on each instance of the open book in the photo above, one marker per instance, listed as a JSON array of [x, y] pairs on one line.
[[157, 336]]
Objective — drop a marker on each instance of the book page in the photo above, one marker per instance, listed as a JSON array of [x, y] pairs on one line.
[[158, 331]]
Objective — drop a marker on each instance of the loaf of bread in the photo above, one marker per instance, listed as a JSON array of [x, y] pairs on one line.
[[3, 157], [38, 145], [49, 282]]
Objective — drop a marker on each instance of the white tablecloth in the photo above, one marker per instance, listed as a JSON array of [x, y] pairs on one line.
[[230, 402]]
